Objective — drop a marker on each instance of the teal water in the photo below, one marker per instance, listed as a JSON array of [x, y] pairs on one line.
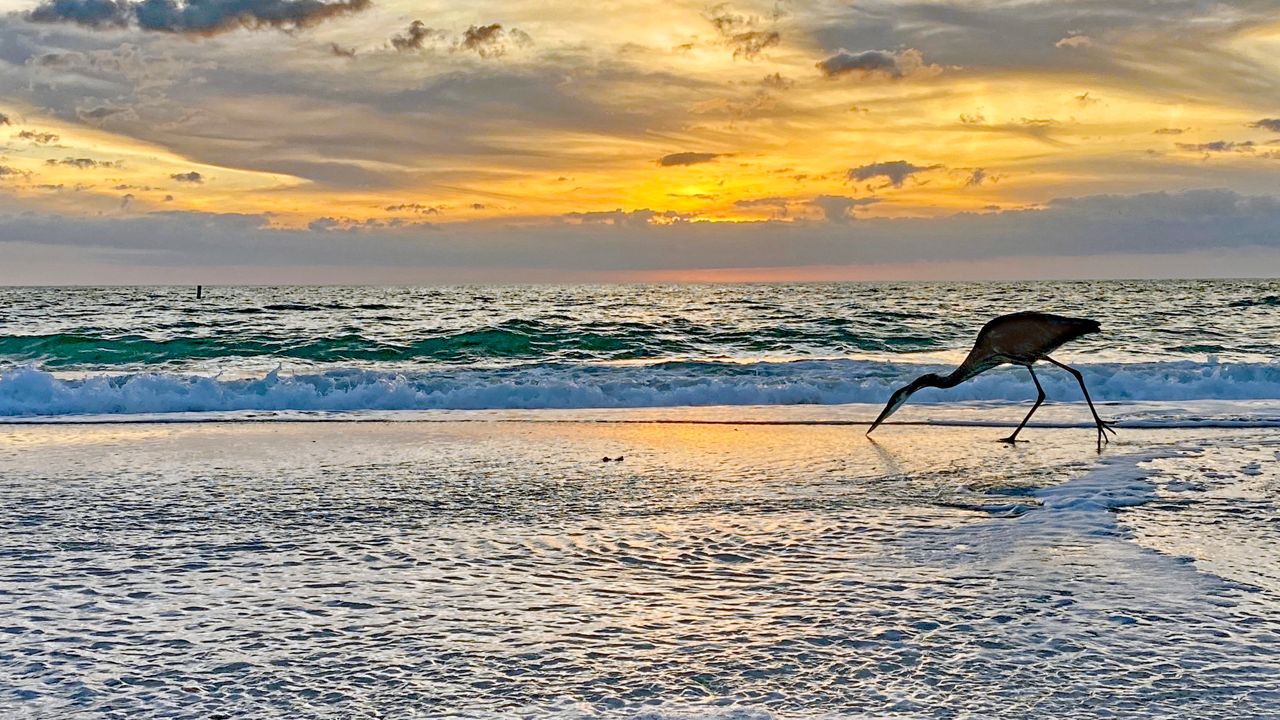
[[341, 349]]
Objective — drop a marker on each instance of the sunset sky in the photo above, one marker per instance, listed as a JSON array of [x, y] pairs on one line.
[[395, 141]]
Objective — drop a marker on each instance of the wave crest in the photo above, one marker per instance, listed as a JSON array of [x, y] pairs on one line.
[[27, 391]]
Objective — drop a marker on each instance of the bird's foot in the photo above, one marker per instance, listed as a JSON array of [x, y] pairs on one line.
[[1011, 440], [1104, 427]]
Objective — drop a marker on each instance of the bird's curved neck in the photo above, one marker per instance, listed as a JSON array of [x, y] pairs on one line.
[[954, 378]]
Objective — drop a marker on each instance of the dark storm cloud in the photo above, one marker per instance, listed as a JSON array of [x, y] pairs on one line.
[[192, 177], [687, 158], [415, 37], [896, 172], [1272, 124], [194, 17]]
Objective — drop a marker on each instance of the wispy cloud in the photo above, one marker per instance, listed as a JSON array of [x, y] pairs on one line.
[[687, 158], [416, 36], [896, 171]]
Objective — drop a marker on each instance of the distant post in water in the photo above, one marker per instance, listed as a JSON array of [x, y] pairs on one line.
[[199, 291]]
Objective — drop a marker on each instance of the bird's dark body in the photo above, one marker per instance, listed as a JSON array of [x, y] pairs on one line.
[[1021, 338]]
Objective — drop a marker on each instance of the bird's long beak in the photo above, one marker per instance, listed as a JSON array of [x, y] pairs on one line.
[[894, 403]]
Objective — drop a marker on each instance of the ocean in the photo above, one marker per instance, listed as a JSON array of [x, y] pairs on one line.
[[345, 350], [634, 503]]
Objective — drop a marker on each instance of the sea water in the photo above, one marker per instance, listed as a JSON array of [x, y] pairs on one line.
[[120, 351]]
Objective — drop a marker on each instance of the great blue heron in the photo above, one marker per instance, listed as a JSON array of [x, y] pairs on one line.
[[1019, 339]]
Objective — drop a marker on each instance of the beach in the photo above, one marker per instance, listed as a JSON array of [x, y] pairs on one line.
[[484, 565]]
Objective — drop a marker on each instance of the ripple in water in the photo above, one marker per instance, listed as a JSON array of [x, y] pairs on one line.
[[462, 570]]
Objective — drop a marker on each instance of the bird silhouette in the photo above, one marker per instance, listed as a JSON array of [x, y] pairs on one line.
[[1022, 338]]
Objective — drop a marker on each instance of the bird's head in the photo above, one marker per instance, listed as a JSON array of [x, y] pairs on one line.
[[900, 396]]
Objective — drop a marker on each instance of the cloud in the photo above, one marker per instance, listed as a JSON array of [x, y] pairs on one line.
[[343, 52], [872, 63], [838, 209], [896, 172], [1170, 131], [82, 163], [750, 45], [1218, 146], [192, 177], [95, 115], [687, 158], [1074, 42], [776, 204], [1272, 124], [39, 138], [490, 41], [1102, 226], [743, 33], [976, 178], [620, 218], [753, 105], [416, 208], [415, 37], [1040, 129], [4, 119], [7, 172], [776, 81], [194, 17]]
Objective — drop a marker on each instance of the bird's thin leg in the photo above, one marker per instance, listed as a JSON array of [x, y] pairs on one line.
[[1039, 399], [1103, 426]]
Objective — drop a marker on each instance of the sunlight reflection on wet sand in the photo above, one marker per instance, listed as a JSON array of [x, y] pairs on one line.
[[484, 569]]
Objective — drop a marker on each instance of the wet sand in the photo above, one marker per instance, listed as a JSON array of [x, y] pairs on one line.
[[501, 569]]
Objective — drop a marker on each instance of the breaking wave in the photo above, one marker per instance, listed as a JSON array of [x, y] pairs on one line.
[[28, 391]]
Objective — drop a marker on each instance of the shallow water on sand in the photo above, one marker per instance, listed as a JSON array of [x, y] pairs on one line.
[[503, 570]]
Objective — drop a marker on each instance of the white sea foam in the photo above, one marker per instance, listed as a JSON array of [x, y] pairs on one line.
[[27, 391]]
